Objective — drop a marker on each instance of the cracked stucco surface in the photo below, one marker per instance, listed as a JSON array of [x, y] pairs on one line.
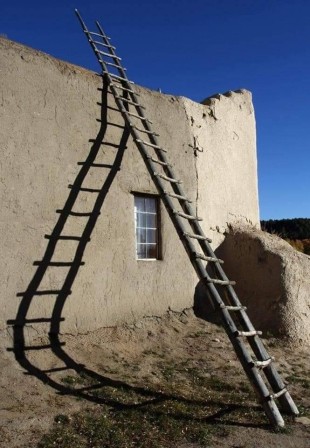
[[49, 112]]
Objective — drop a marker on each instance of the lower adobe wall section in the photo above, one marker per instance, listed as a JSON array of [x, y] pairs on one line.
[[54, 117], [273, 281]]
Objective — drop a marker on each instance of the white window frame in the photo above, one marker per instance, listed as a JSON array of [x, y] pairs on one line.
[[143, 215]]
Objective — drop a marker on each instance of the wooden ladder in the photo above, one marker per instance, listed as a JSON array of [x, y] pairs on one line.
[[245, 339]]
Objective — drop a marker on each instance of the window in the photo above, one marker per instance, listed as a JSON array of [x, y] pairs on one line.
[[147, 227]]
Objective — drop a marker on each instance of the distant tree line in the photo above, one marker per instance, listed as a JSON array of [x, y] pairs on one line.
[[293, 229]]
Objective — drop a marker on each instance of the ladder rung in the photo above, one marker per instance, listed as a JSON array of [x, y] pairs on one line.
[[233, 308], [96, 34], [145, 130], [177, 196], [186, 216], [160, 162], [169, 179], [221, 282], [198, 237], [101, 43], [97, 165], [123, 88], [152, 145], [248, 333], [120, 78], [108, 46], [206, 258], [114, 65], [141, 118], [262, 364], [132, 102], [278, 394], [104, 53]]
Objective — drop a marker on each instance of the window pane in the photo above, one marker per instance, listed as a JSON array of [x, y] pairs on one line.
[[141, 220], [151, 236], [150, 205], [151, 221], [139, 203], [151, 251], [141, 235], [141, 251]]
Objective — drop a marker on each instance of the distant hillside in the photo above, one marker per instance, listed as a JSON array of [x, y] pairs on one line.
[[295, 231]]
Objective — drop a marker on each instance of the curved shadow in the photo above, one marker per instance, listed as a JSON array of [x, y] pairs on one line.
[[55, 345], [21, 320]]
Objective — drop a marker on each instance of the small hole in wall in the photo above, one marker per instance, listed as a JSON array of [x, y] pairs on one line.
[[204, 115]]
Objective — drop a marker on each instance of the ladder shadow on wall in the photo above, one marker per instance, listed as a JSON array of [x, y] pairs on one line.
[[202, 304], [25, 352], [204, 309], [21, 348]]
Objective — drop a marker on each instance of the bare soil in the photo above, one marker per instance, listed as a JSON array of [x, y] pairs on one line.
[[177, 367]]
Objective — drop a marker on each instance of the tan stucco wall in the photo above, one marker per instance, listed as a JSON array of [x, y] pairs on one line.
[[49, 111], [224, 136]]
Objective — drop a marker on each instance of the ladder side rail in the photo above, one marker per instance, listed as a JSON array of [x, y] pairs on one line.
[[264, 397], [272, 375], [112, 51], [167, 168], [245, 358], [286, 402], [181, 230], [177, 221], [201, 271], [229, 325], [177, 189], [258, 347], [188, 209], [95, 49]]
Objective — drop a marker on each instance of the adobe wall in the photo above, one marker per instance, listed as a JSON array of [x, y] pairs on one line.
[[51, 122], [273, 281]]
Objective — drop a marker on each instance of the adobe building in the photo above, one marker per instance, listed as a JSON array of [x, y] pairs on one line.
[[85, 237]]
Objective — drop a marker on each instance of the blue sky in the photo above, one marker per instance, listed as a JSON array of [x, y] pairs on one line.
[[198, 48]]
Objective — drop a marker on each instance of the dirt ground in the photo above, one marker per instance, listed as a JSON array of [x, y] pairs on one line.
[[175, 358]]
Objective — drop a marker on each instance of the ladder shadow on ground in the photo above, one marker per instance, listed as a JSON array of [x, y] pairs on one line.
[[19, 325]]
